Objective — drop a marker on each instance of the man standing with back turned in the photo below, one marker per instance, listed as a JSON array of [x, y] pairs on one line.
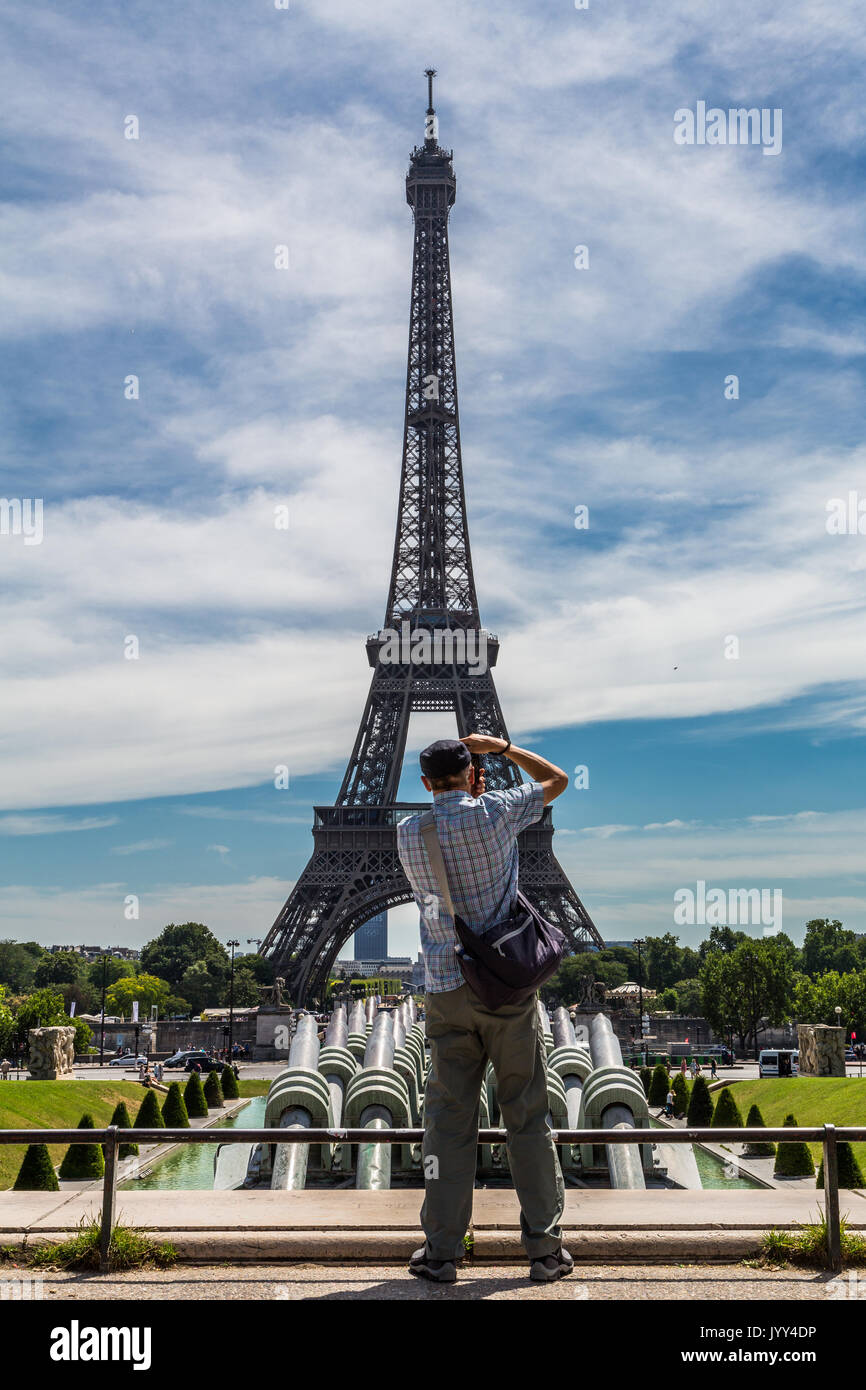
[[478, 833]]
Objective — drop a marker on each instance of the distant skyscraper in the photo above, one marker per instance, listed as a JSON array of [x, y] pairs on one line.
[[371, 940]]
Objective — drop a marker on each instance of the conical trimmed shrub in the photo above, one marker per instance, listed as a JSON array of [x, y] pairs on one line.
[[646, 1077], [174, 1111], [793, 1159], [757, 1148], [122, 1120], [727, 1113], [213, 1092], [659, 1086], [149, 1114], [36, 1173], [680, 1089], [83, 1160], [229, 1083], [193, 1096], [850, 1174], [700, 1112]]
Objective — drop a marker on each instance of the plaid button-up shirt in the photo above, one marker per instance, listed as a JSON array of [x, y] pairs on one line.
[[478, 836]]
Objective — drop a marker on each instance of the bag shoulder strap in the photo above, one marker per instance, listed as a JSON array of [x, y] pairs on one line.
[[430, 836]]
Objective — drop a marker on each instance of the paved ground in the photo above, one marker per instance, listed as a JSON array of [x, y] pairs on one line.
[[277, 1283]]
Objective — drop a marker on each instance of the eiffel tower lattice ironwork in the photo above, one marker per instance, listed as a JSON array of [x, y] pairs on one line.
[[354, 871]]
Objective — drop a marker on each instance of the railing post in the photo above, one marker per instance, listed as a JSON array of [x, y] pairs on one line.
[[109, 1191], [831, 1199]]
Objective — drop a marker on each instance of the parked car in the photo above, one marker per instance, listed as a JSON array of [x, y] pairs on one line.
[[205, 1063], [850, 1054], [180, 1059], [127, 1061]]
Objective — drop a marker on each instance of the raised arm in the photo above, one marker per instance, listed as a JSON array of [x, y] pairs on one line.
[[552, 778]]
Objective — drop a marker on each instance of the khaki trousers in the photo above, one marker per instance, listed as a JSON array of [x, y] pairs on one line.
[[463, 1034]]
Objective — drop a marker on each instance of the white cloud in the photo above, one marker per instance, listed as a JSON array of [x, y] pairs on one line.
[[52, 824]]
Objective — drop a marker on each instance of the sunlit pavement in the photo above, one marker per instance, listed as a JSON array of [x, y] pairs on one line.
[[286, 1283]]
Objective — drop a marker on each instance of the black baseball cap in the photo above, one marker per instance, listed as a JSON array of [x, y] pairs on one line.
[[445, 758]]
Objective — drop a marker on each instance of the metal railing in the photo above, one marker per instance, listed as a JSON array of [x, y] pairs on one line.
[[112, 1137]]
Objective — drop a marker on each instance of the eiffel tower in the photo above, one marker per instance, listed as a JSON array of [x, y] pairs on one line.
[[354, 871]]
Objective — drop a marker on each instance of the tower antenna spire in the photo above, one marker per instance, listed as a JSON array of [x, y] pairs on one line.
[[431, 73]]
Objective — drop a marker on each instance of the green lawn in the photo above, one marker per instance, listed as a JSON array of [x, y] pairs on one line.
[[813, 1100], [60, 1105], [57, 1105]]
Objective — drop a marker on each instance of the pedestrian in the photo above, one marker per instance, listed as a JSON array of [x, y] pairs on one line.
[[477, 831], [713, 1067], [669, 1104], [5, 1068], [692, 1067], [683, 1066]]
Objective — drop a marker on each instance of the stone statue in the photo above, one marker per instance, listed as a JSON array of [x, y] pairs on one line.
[[822, 1049], [52, 1053], [272, 995], [590, 992]]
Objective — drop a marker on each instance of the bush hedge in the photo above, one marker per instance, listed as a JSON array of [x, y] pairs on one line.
[[793, 1159], [36, 1173], [229, 1083], [213, 1092], [849, 1169], [149, 1114], [757, 1148], [122, 1120], [727, 1113], [83, 1160], [700, 1112], [194, 1099], [174, 1112], [660, 1085]]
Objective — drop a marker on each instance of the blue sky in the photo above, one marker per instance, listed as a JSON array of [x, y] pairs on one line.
[[260, 387]]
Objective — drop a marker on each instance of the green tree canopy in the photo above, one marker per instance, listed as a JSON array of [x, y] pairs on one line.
[[828, 946], [60, 968], [661, 960], [18, 963], [744, 987], [178, 947], [147, 989], [42, 1009]]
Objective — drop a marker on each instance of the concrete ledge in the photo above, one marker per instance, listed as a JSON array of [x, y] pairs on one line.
[[601, 1225]]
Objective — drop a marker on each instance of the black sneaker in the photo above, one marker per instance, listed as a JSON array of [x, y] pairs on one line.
[[545, 1268], [439, 1271]]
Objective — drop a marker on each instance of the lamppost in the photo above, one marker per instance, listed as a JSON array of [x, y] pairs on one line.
[[233, 944], [102, 1021], [638, 942], [838, 1012]]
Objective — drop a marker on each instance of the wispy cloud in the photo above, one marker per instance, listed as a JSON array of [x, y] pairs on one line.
[[52, 824]]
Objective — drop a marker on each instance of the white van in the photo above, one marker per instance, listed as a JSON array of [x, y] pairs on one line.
[[779, 1061]]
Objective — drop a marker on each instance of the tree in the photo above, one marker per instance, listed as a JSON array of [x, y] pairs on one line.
[[120, 1117], [666, 1002], [193, 1095], [59, 968], [828, 946], [690, 997], [229, 1083], [18, 962], [700, 1111], [727, 1113], [115, 969], [212, 1092], [174, 1112], [721, 938], [850, 1174], [757, 1148], [43, 1008], [646, 1078], [662, 960], [202, 987], [147, 989], [680, 1089], [259, 966], [176, 948], [7, 1025], [815, 1000], [83, 1034], [83, 1160], [247, 993], [36, 1173], [690, 964], [659, 1085], [149, 1114], [793, 1159], [747, 987]]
